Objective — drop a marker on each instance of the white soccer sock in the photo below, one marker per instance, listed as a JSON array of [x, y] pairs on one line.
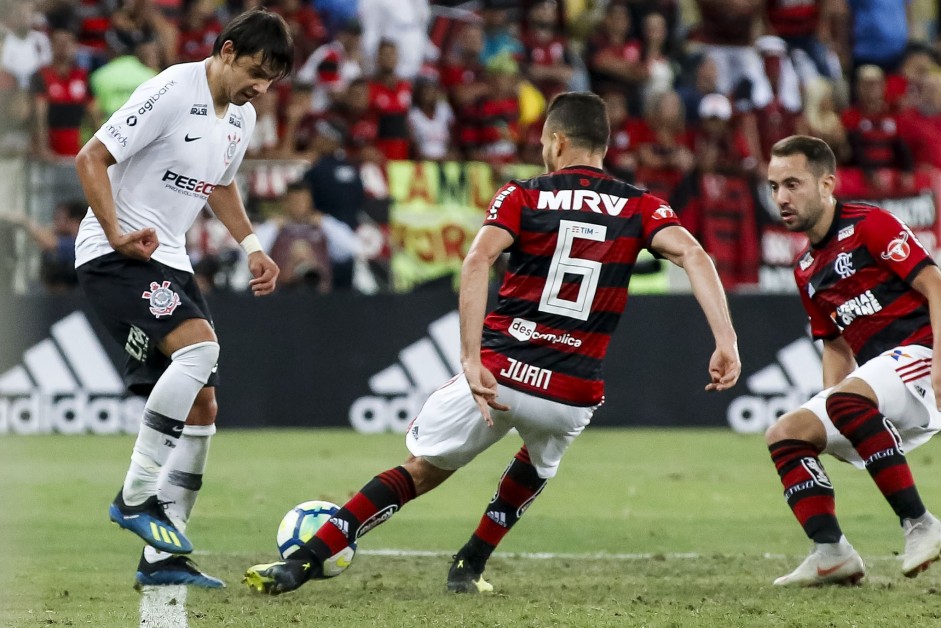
[[167, 408], [181, 478]]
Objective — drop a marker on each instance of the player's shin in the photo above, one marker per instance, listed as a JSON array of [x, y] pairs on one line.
[[879, 445], [518, 487], [182, 477], [374, 504], [166, 410], [807, 489]]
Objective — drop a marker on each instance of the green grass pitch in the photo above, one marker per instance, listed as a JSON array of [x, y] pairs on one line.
[[640, 528]]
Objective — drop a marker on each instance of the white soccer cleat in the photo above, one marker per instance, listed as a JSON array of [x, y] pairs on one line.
[[829, 563], [922, 544]]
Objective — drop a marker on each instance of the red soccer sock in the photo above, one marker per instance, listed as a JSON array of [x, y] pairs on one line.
[[518, 487], [877, 442], [807, 489], [374, 504]]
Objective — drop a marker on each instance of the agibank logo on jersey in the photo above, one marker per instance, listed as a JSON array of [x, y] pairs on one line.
[[525, 330], [150, 102]]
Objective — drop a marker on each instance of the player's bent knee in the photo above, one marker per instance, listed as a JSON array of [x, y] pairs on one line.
[[425, 475], [204, 410], [799, 424], [198, 360]]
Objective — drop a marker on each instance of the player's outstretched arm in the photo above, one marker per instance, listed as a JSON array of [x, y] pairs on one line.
[[226, 203], [475, 274], [91, 164], [680, 247], [928, 282]]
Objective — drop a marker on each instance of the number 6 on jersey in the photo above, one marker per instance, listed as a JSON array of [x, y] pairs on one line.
[[564, 264]]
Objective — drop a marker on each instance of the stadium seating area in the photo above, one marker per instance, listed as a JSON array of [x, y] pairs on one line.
[[697, 90]]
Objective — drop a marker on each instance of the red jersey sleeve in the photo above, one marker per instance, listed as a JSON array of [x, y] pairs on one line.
[[656, 214], [893, 245], [505, 208]]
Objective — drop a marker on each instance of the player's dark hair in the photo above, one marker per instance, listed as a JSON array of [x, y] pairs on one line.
[[582, 117], [820, 157], [261, 31]]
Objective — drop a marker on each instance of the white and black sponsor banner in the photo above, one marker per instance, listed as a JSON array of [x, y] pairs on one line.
[[299, 360]]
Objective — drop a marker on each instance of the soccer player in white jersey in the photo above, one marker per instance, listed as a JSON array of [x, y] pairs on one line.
[[147, 173]]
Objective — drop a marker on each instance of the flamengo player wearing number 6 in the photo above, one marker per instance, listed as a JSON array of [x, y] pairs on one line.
[[535, 363], [175, 145]]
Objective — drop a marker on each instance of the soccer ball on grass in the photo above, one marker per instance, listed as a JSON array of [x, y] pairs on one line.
[[299, 526]]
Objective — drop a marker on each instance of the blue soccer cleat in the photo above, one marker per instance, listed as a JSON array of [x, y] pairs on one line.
[[150, 522], [171, 571]]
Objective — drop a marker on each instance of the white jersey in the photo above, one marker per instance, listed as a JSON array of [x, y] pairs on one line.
[[171, 152]]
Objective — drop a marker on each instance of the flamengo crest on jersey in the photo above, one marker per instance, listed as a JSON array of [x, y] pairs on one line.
[[856, 282], [172, 151], [577, 233]]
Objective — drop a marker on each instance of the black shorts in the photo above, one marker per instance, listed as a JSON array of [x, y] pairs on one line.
[[139, 303]]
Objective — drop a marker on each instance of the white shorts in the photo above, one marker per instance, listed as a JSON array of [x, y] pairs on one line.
[[901, 379], [450, 431]]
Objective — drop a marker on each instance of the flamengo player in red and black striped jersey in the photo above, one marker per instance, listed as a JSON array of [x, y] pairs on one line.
[[871, 291], [573, 236]]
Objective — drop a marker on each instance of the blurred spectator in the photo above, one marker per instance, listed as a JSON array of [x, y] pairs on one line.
[[660, 68], [431, 122], [727, 30], [139, 21], [549, 63], [300, 246], [501, 35], [903, 88], [24, 49], [390, 98], [113, 83], [332, 66], [720, 146], [620, 160], [663, 145], [93, 18], [333, 180], [880, 32], [800, 25], [56, 242], [213, 251], [199, 28], [920, 127], [493, 134], [705, 81], [823, 118], [402, 22], [265, 140], [15, 136], [305, 26], [335, 13], [615, 60], [872, 130], [462, 72], [62, 99], [781, 117], [360, 121]]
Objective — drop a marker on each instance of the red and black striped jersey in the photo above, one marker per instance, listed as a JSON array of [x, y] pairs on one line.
[[577, 233], [857, 282]]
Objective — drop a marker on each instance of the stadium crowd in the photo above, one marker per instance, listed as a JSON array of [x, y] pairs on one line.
[[697, 92]]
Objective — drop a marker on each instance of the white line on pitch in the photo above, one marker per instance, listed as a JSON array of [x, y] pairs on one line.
[[163, 607]]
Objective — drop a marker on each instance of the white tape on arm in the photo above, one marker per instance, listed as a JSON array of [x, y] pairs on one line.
[[250, 244]]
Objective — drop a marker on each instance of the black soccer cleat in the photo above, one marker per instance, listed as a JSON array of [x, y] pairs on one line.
[[462, 578], [280, 577], [175, 570]]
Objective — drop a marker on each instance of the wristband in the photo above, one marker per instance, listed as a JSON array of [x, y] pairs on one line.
[[250, 244]]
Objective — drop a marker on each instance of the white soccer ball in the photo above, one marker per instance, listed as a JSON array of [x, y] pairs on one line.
[[299, 526]]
